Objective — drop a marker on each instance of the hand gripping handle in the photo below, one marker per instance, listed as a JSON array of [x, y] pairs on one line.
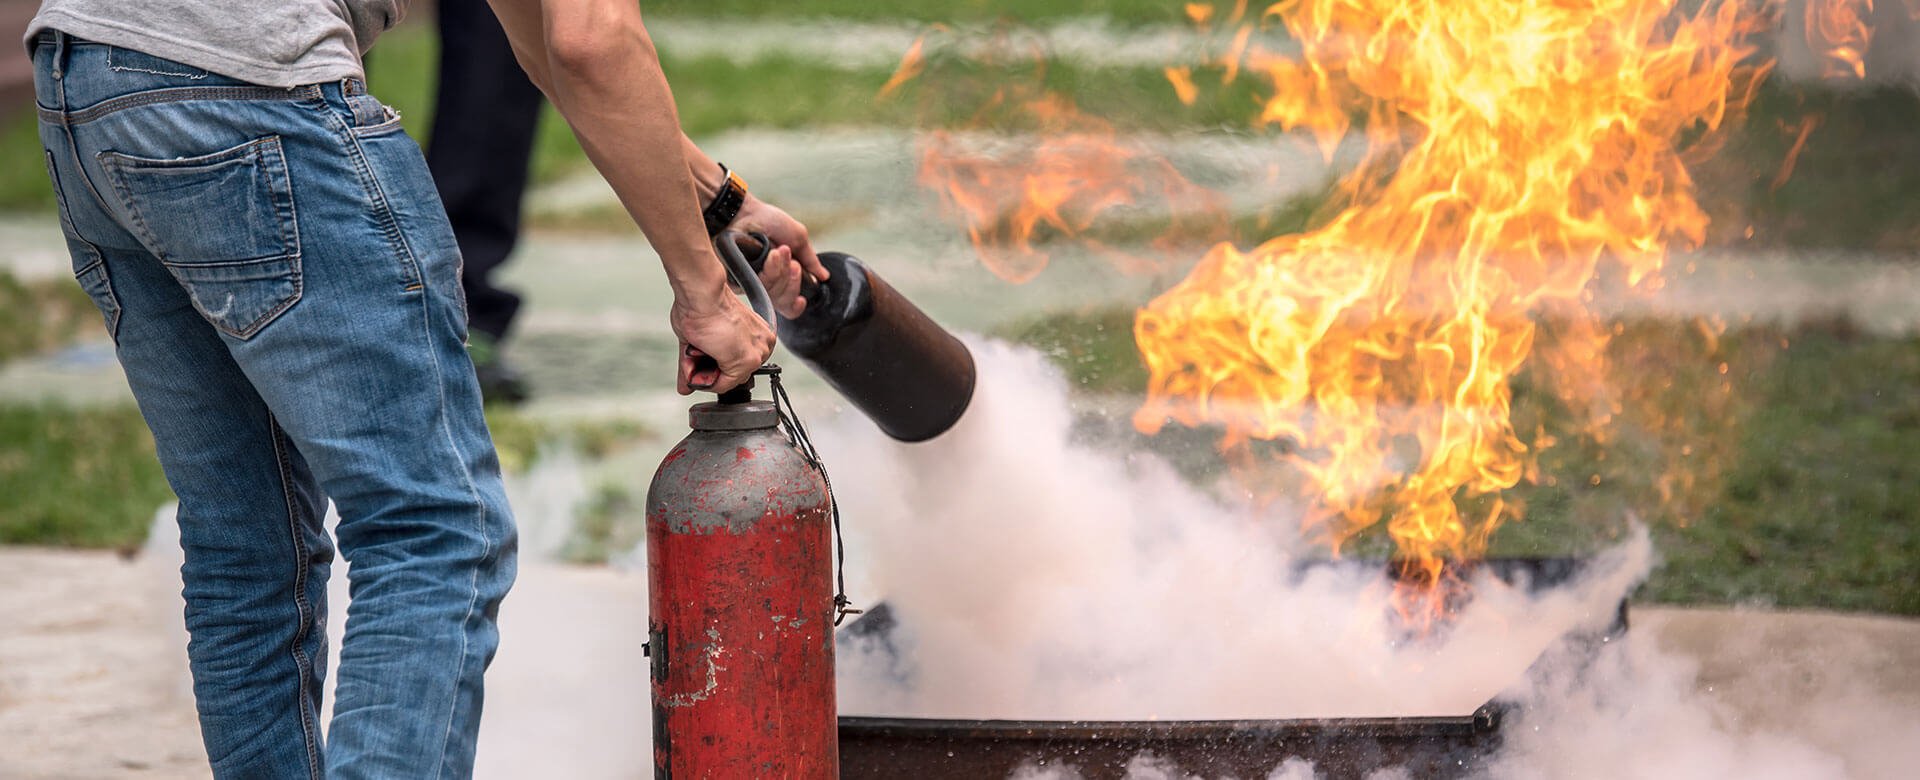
[[745, 274]]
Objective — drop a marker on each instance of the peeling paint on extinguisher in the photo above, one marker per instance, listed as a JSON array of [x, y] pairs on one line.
[[739, 559]]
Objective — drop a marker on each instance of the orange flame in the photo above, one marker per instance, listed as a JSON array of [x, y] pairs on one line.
[[910, 67], [1840, 33], [1182, 80], [1013, 196], [1515, 150], [1200, 13], [1066, 182], [1513, 147], [1801, 131]]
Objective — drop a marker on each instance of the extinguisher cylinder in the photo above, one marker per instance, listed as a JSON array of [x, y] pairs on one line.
[[739, 570]]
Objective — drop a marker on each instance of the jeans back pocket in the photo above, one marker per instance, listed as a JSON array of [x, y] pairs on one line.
[[222, 223]]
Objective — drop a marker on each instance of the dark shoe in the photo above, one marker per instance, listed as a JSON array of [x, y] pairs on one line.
[[499, 382]]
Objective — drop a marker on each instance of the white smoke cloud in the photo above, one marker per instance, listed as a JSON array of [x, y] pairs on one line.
[[1036, 578], [1040, 578]]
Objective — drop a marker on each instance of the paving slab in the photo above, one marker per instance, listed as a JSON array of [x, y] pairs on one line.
[[1846, 683], [92, 673], [93, 683]]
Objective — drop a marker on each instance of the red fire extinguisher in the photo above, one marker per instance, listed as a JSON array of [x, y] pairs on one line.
[[740, 577]]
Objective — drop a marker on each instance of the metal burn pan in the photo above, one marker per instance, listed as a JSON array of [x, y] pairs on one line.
[[873, 748]]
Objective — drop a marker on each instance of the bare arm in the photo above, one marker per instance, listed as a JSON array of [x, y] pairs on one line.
[[595, 61], [793, 253]]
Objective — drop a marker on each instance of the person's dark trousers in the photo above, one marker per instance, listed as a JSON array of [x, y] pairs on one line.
[[482, 139]]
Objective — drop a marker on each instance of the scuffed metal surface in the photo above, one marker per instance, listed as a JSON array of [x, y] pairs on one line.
[[727, 481], [741, 597], [709, 656]]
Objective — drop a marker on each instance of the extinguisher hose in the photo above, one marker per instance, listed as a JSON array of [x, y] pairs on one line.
[[743, 273], [797, 435]]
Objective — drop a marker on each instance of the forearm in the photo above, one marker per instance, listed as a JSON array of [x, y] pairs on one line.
[[595, 61], [707, 177]]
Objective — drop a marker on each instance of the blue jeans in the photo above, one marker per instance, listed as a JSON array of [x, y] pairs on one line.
[[279, 280]]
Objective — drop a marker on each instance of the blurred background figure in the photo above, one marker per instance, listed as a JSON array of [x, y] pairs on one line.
[[485, 114]]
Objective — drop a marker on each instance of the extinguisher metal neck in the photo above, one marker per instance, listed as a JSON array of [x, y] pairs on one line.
[[721, 416], [740, 394]]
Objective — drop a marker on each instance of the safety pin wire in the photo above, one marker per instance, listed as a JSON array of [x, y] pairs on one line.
[[797, 435]]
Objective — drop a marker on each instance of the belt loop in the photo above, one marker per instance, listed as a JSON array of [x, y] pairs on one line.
[[59, 55], [61, 49]]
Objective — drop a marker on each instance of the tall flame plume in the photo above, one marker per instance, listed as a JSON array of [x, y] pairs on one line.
[[1512, 148], [1840, 33], [1516, 151]]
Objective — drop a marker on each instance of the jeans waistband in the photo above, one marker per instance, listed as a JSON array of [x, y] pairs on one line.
[[350, 86]]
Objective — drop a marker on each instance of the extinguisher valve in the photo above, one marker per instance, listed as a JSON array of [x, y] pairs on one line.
[[739, 394]]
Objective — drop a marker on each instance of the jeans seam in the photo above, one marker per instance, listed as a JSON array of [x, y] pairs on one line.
[[107, 166], [383, 210], [125, 69], [299, 291], [302, 664], [174, 95], [106, 276], [99, 260], [480, 526], [391, 226]]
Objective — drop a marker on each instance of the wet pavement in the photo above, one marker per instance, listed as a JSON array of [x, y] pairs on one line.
[[93, 682]]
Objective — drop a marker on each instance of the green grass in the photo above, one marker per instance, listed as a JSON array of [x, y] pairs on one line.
[[80, 477], [40, 315], [23, 167], [1093, 348], [1821, 504], [88, 476], [77, 476], [714, 94], [1790, 480], [1126, 12], [1853, 185]]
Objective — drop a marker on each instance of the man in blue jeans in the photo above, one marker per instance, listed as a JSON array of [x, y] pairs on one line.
[[268, 253]]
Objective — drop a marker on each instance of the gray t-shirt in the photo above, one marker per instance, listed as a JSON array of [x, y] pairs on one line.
[[280, 43]]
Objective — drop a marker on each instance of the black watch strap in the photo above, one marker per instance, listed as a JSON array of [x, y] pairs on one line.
[[726, 202]]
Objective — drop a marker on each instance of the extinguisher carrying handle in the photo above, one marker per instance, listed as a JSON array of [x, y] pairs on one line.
[[745, 273]]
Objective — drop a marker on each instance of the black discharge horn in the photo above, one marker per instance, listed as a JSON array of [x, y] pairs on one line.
[[871, 344]]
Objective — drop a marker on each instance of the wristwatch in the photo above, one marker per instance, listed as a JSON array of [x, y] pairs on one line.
[[726, 202]]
